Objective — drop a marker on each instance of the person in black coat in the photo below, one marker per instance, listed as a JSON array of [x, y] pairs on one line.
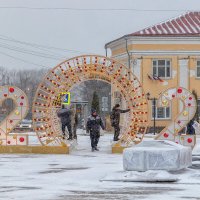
[[115, 120], [74, 119], [94, 123], [65, 115], [190, 128]]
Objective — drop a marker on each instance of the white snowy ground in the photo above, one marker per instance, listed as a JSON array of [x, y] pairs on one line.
[[77, 176]]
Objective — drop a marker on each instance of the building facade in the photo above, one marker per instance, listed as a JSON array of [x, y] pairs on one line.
[[163, 56]]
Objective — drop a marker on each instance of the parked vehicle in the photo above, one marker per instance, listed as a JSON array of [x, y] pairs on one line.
[[25, 125]]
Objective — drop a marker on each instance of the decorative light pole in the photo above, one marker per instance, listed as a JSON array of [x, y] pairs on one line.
[[154, 111]]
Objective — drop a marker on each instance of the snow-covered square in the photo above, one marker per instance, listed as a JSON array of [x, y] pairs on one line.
[[90, 175]]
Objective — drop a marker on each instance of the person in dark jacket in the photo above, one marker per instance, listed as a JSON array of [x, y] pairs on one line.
[[190, 128], [65, 116], [115, 120], [94, 123], [74, 119]]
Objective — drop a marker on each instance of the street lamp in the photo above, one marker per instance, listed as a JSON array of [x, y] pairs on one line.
[[154, 111]]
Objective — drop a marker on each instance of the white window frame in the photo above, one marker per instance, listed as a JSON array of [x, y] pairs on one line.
[[104, 104], [197, 66], [166, 77], [164, 118], [117, 97]]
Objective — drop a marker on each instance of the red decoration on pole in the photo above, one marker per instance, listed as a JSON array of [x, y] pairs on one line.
[[21, 139], [189, 104], [5, 95], [8, 142], [189, 140], [166, 135], [179, 90], [21, 104], [22, 97], [190, 98], [11, 90], [173, 95]]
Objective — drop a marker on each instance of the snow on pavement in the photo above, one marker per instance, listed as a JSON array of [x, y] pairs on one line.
[[77, 176]]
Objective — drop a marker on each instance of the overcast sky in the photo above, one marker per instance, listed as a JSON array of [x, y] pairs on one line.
[[84, 31]]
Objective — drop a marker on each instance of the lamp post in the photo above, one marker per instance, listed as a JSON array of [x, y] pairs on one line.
[[154, 111]]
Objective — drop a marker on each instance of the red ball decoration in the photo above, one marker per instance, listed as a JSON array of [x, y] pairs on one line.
[[179, 90], [21, 139], [166, 135], [179, 121], [189, 104], [173, 95], [189, 140], [5, 95], [8, 142], [11, 90], [21, 104], [22, 97], [190, 98], [11, 121]]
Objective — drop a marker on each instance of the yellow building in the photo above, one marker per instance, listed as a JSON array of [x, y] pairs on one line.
[[163, 56]]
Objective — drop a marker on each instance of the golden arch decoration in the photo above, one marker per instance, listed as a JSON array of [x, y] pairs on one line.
[[76, 70], [19, 112]]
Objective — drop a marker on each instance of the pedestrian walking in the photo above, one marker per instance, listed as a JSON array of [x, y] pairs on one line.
[[94, 123], [115, 120]]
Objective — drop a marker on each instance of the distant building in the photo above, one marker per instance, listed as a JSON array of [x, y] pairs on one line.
[[163, 56]]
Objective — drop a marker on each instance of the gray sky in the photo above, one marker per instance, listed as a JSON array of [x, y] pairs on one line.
[[85, 31]]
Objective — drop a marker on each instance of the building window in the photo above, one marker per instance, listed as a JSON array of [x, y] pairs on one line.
[[198, 106], [117, 97], [161, 112], [104, 104], [198, 68], [162, 68]]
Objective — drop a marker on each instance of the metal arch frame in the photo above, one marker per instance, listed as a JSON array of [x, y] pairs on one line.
[[82, 68]]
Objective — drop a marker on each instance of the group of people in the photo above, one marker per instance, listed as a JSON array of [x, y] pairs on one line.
[[69, 119]]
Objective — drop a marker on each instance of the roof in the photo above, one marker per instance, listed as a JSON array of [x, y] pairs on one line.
[[184, 25], [187, 25]]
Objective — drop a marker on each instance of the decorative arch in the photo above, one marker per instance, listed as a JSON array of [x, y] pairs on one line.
[[76, 70], [187, 112]]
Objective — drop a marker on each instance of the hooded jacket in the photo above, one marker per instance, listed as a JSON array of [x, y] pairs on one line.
[[65, 115], [115, 116], [94, 123]]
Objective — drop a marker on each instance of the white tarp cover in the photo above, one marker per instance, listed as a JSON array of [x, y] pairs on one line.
[[157, 155]]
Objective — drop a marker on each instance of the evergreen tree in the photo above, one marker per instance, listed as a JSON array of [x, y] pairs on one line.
[[95, 102]]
